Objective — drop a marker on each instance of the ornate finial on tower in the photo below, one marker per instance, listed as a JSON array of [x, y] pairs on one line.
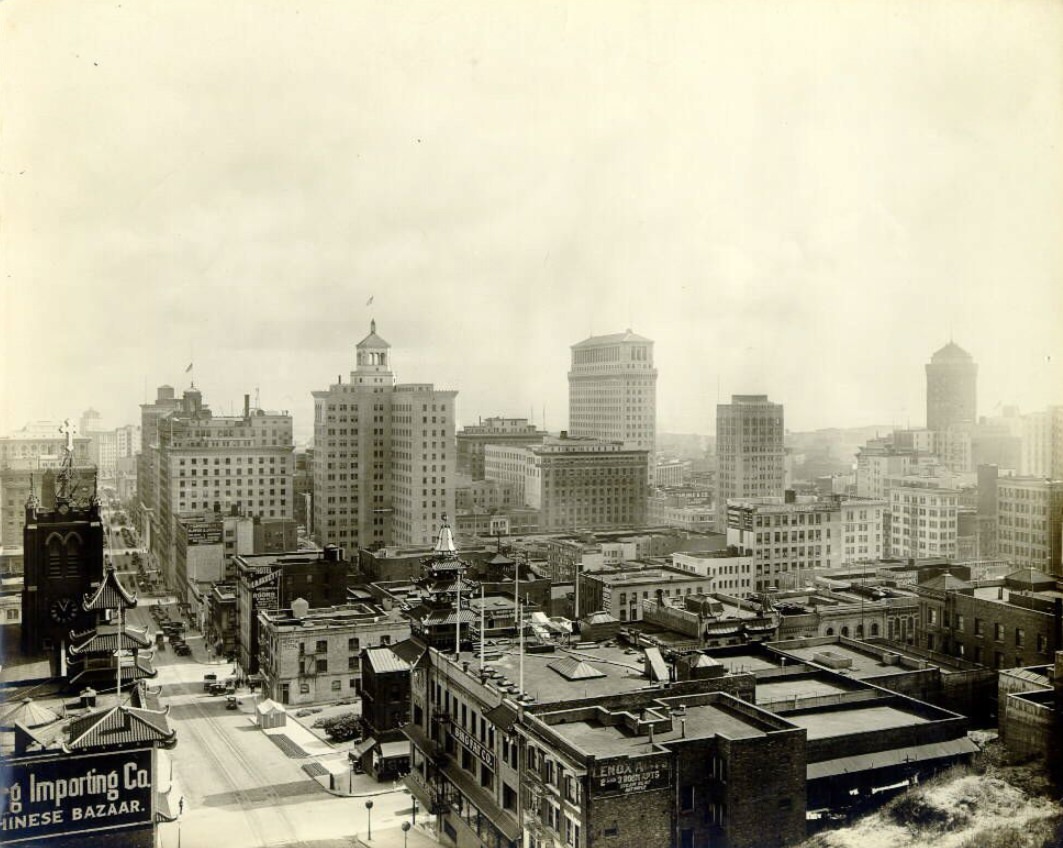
[[372, 325], [33, 502], [63, 491], [445, 540]]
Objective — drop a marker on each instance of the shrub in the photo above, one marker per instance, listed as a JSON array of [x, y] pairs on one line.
[[341, 728]]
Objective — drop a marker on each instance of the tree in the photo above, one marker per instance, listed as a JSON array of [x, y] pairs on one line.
[[342, 728]]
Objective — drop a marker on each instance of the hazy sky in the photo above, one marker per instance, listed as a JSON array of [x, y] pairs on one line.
[[803, 199]]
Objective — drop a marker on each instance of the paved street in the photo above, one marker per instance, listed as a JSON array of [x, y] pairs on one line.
[[240, 787]]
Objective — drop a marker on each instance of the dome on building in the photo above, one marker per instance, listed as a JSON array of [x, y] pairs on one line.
[[951, 352]]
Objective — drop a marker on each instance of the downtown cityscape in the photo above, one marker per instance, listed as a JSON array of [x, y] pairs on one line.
[[497, 427]]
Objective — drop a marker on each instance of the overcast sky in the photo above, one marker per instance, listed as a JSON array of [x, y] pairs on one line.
[[803, 199]]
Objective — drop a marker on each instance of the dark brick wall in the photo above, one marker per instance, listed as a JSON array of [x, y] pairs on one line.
[[640, 819], [765, 790]]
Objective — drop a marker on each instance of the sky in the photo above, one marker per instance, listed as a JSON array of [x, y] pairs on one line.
[[801, 198]]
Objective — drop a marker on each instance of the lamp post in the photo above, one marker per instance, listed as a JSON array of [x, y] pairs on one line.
[[405, 833], [369, 820], [415, 809]]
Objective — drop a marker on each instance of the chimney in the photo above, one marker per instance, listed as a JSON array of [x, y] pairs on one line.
[[247, 406], [682, 728]]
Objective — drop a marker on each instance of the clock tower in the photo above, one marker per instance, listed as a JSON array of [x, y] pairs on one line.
[[63, 550]]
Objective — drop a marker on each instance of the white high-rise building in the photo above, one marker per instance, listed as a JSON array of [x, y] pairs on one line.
[[612, 391], [384, 456]]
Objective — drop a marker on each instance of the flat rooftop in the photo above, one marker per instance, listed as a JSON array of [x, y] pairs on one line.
[[863, 664], [796, 688], [621, 672], [853, 719], [702, 721], [739, 663]]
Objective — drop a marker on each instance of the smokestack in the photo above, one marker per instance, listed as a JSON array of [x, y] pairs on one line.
[[247, 406]]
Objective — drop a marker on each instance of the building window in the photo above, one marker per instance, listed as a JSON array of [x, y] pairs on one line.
[[337, 685], [321, 665], [686, 797], [322, 646], [353, 644], [998, 633], [1020, 637]]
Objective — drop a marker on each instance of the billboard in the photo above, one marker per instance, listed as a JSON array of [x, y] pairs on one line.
[[42, 798]]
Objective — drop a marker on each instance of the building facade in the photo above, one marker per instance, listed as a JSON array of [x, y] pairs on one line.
[[315, 656], [586, 483], [384, 458], [1030, 522], [923, 519], [612, 390], [751, 458], [237, 465], [793, 538], [473, 438]]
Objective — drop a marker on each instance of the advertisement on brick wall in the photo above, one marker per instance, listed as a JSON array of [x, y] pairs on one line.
[[44, 798], [631, 774]]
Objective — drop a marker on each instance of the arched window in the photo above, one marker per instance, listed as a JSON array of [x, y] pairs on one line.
[[56, 556], [859, 631], [830, 631], [73, 553], [845, 631], [874, 628]]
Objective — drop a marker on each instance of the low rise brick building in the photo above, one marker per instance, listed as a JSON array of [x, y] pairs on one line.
[[313, 656]]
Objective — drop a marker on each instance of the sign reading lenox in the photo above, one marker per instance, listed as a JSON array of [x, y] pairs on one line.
[[75, 794]]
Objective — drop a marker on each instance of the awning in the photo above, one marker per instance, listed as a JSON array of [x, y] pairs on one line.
[[363, 746], [392, 750], [910, 756]]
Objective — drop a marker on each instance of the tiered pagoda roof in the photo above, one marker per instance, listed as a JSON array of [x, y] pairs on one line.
[[119, 726], [110, 595]]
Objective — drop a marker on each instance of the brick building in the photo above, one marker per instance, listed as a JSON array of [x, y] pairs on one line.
[[999, 623], [313, 656]]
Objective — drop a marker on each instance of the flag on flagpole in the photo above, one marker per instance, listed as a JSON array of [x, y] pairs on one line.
[[189, 368], [370, 301]]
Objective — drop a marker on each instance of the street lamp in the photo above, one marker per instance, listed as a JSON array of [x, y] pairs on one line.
[[414, 809], [405, 833], [369, 819]]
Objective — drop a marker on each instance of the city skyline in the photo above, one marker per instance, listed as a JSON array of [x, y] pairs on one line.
[[811, 226]]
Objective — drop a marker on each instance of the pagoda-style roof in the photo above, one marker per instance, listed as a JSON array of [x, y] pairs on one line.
[[140, 669], [110, 595], [28, 713], [105, 640], [436, 617], [121, 725]]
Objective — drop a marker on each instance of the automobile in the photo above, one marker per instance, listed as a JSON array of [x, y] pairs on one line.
[[182, 650], [208, 681], [231, 702], [217, 689]]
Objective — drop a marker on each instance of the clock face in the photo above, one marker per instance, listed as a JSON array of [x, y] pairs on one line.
[[63, 610]]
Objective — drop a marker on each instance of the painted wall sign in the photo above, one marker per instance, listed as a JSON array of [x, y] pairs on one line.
[[642, 774], [473, 744], [58, 796]]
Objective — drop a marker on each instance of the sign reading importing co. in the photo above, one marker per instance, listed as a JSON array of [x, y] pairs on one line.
[[46, 797]]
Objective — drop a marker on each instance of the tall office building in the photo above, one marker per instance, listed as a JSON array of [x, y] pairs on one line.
[[384, 456], [751, 458], [951, 389], [612, 391], [199, 462]]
